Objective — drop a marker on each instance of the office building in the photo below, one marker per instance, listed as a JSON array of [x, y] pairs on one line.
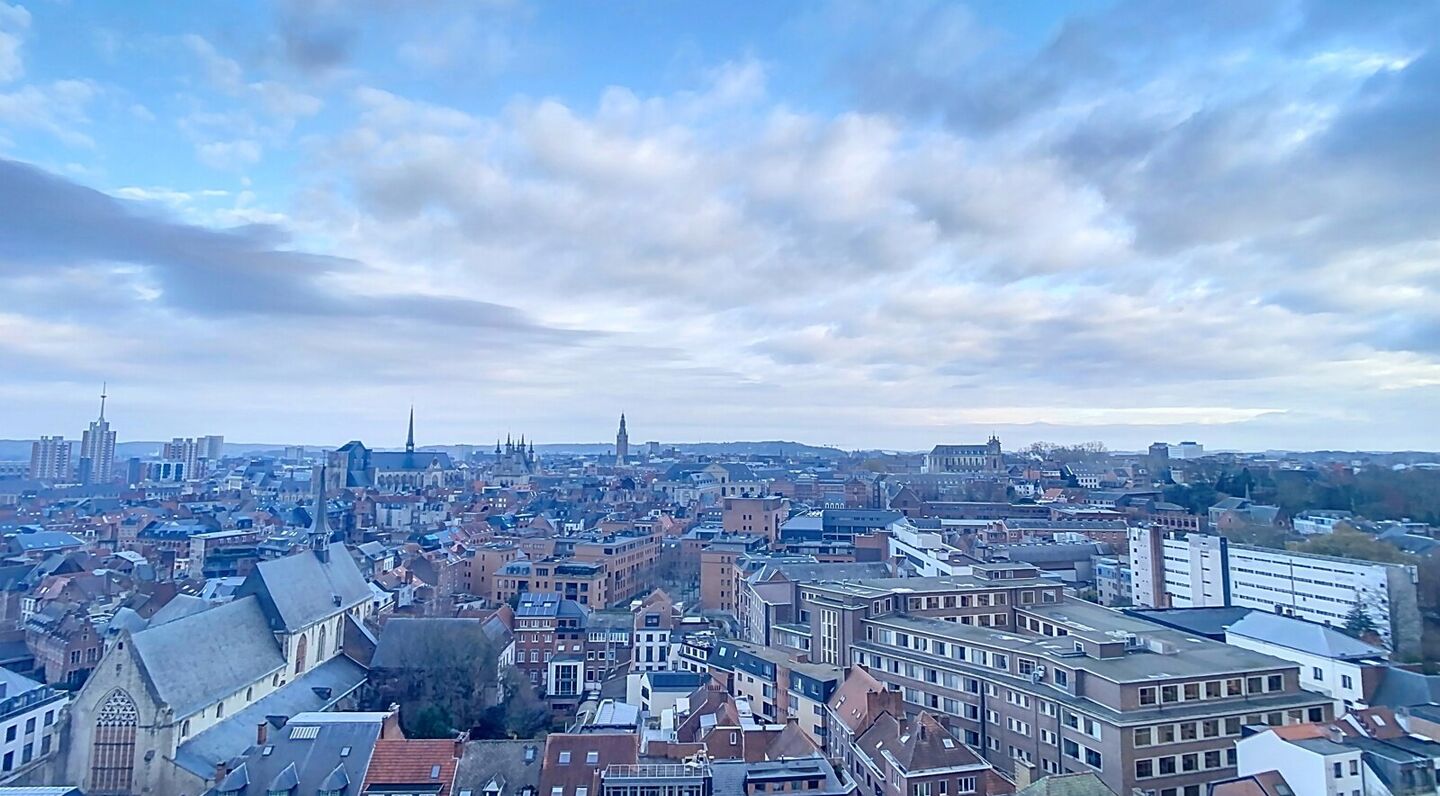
[[1036, 680], [1202, 570]]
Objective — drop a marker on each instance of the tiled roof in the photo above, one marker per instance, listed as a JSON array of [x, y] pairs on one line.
[[404, 761]]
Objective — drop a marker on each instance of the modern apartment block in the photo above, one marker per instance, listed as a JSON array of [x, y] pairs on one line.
[[1035, 680], [50, 459], [1203, 570]]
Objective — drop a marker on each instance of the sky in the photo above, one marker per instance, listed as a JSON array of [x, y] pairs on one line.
[[848, 223]]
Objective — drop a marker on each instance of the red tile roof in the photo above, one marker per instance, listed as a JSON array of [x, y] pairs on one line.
[[405, 761]]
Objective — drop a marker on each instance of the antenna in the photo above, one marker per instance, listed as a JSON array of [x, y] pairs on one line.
[[103, 386]]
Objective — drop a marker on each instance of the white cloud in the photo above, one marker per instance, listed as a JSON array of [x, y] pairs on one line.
[[14, 22]]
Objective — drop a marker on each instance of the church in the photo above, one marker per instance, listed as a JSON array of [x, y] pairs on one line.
[[172, 703], [514, 464], [354, 466]]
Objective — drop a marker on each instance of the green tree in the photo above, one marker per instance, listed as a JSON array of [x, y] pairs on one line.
[[431, 721], [1358, 622]]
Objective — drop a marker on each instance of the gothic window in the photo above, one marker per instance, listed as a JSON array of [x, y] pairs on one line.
[[300, 655], [320, 652], [112, 751]]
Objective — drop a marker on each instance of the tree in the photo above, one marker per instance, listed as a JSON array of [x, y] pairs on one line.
[[525, 716], [443, 678], [1349, 543], [431, 722], [1358, 623]]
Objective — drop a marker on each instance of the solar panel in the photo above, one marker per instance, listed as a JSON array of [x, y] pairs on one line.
[[308, 732]]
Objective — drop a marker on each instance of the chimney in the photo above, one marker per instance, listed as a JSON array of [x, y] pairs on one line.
[[262, 732], [460, 744], [1024, 774], [1334, 733], [221, 769]]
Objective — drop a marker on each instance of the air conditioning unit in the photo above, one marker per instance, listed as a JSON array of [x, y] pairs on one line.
[[1038, 674]]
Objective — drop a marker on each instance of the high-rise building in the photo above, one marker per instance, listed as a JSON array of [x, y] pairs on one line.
[[198, 454], [213, 447], [97, 449], [50, 459], [622, 442]]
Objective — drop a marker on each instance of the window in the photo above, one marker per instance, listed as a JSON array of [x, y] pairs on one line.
[[1346, 682], [1255, 685], [112, 755], [1354, 767], [1276, 682], [1143, 736], [1337, 769], [1212, 689], [1147, 696], [1169, 693], [1317, 674], [592, 758], [1192, 691], [1144, 769], [564, 759], [1212, 758], [1167, 765]]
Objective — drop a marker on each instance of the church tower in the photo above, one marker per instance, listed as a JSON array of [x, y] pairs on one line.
[[994, 460], [319, 532], [622, 443]]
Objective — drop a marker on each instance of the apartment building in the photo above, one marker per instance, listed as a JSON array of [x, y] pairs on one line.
[[1033, 679], [754, 516], [1204, 570], [629, 562], [718, 579]]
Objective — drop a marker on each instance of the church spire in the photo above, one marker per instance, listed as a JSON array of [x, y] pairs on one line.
[[319, 533], [410, 437]]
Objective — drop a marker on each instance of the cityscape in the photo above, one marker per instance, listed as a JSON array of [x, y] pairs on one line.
[[622, 398]]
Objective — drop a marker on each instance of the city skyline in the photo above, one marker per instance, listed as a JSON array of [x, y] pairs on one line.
[[869, 226]]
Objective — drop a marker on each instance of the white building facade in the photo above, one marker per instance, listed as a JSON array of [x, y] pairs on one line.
[[1204, 570]]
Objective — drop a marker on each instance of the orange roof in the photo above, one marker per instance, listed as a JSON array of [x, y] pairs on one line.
[[405, 761], [1299, 732]]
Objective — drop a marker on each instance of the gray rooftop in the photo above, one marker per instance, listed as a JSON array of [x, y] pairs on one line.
[[195, 659], [1297, 634]]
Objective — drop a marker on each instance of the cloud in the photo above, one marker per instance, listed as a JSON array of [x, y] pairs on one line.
[[59, 109], [1141, 221], [14, 22], [204, 272]]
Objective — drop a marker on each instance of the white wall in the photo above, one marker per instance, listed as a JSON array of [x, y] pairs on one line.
[[1332, 672]]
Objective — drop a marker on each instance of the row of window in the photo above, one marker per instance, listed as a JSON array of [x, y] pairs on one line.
[[1211, 689], [1170, 765]]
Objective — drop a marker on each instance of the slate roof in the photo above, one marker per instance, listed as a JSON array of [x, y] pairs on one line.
[[1297, 634], [300, 590], [1402, 688], [507, 763], [43, 540], [191, 660], [916, 745], [402, 637], [1085, 783], [310, 760], [391, 461], [179, 607], [317, 690]]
